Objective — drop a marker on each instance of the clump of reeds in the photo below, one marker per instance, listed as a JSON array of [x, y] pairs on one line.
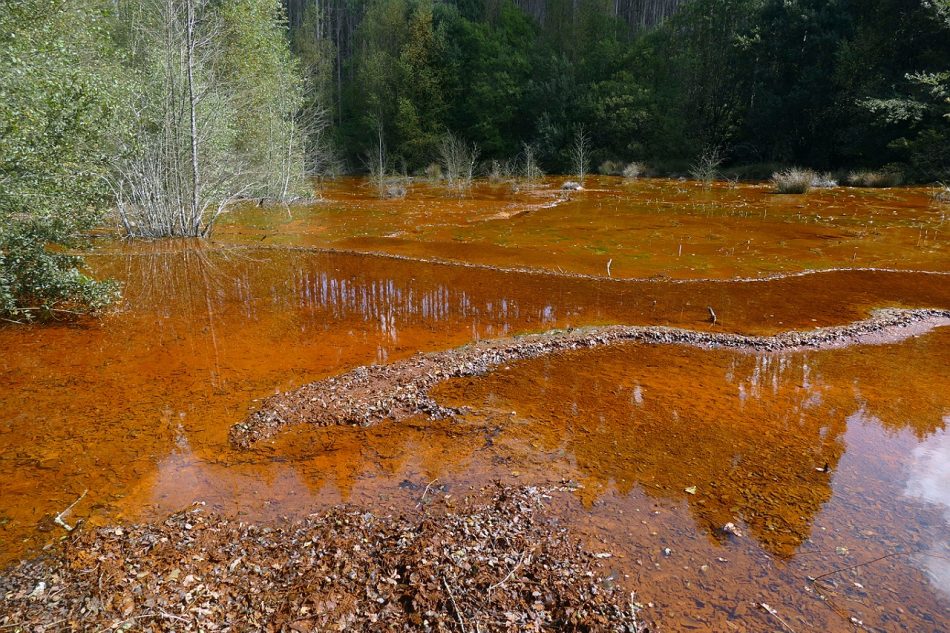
[[499, 172], [634, 170], [396, 188], [872, 178], [433, 172], [941, 193], [794, 180], [824, 181]]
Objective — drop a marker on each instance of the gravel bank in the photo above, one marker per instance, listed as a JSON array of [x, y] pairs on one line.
[[370, 394]]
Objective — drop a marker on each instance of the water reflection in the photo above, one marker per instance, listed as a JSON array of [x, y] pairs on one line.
[[663, 452], [668, 443], [189, 281], [182, 477], [929, 481], [185, 282], [750, 439], [207, 331], [807, 453]]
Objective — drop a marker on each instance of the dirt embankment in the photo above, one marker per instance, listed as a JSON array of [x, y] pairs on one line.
[[370, 394], [499, 564]]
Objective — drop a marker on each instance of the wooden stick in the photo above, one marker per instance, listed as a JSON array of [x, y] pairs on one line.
[[775, 615], [425, 492], [510, 573], [59, 517], [458, 614], [867, 562]]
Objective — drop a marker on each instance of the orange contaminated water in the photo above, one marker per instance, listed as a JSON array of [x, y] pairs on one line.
[[661, 445], [668, 445]]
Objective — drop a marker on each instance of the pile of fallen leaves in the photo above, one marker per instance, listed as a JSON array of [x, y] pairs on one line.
[[499, 564]]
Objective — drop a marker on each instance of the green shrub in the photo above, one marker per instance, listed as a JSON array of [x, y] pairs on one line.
[[57, 118]]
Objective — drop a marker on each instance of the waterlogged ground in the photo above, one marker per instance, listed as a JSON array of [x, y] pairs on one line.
[[663, 445], [644, 228]]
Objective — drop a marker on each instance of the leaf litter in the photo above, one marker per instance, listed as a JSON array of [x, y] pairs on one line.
[[497, 561]]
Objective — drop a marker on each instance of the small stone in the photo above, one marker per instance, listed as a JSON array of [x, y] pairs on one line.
[[730, 528]]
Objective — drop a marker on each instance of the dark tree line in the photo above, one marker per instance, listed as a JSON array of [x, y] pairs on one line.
[[824, 83]]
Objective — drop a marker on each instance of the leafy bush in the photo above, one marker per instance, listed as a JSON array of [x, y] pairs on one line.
[[610, 168], [57, 117], [794, 180]]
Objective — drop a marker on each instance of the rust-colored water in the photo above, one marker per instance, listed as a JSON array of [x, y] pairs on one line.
[[669, 445], [643, 228], [135, 408]]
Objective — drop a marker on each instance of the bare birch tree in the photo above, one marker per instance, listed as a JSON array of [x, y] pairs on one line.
[[208, 129], [376, 161], [580, 154], [458, 162], [530, 171]]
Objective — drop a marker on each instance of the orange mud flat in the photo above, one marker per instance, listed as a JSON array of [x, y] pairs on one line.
[[633, 229]]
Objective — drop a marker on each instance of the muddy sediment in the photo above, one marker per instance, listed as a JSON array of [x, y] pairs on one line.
[[500, 564], [370, 394]]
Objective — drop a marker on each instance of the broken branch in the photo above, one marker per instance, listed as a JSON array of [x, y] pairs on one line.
[[58, 520]]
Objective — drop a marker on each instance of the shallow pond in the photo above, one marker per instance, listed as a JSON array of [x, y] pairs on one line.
[[662, 445]]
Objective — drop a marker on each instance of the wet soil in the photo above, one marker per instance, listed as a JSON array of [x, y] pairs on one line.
[[644, 228]]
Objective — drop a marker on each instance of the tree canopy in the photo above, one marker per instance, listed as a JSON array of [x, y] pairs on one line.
[[827, 83]]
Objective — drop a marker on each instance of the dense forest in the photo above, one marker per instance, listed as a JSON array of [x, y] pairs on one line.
[[167, 111], [826, 84]]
